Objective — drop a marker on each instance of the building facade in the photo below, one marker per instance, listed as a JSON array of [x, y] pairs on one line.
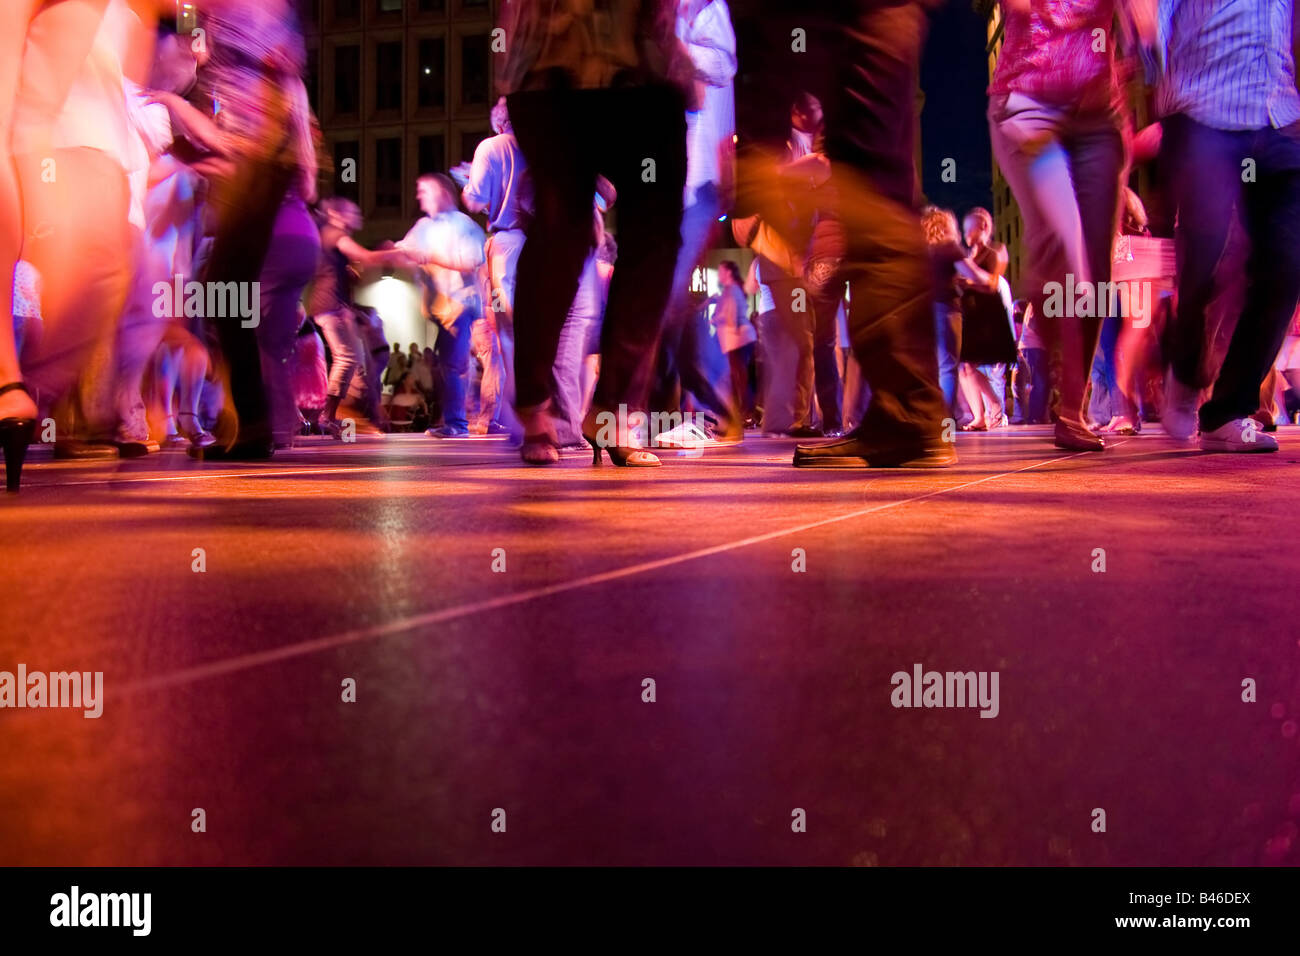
[[401, 87], [1008, 227]]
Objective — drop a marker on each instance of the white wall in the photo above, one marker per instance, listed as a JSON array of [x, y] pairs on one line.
[[398, 303]]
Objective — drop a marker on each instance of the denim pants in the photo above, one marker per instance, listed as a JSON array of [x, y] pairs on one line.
[[682, 347], [1064, 168], [340, 331], [451, 349], [1205, 169], [1032, 387], [947, 333], [576, 338]]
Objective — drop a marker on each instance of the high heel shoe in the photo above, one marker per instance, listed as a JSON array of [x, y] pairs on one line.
[[15, 435], [622, 455], [625, 456], [1073, 436]]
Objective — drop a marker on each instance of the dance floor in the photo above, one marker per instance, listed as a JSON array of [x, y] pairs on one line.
[[500, 625]]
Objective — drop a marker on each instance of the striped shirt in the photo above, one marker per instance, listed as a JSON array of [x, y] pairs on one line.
[[1228, 63]]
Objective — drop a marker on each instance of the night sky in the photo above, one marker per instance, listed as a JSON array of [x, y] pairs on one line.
[[954, 76]]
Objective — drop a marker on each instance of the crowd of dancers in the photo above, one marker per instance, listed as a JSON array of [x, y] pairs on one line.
[[180, 281]]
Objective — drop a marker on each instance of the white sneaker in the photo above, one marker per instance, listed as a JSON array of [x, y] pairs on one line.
[[1179, 412], [1239, 435]]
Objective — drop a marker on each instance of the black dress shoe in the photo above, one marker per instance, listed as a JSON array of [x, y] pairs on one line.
[[1072, 436], [853, 452], [257, 450], [805, 431], [132, 449], [77, 449]]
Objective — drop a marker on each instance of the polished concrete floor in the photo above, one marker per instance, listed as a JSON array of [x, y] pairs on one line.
[[515, 694]]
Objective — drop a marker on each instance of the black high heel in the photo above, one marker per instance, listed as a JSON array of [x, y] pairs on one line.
[[15, 435], [624, 457]]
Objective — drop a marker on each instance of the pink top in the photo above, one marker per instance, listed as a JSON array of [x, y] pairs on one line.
[[1052, 54]]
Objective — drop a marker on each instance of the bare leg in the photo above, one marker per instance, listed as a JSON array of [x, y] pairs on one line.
[[969, 382], [14, 17]]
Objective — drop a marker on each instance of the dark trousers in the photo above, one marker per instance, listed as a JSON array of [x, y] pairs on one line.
[[738, 360], [826, 368], [636, 138], [867, 86], [292, 256], [1033, 387], [247, 210], [1205, 171]]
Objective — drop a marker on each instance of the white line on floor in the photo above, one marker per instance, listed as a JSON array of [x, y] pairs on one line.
[[246, 661]]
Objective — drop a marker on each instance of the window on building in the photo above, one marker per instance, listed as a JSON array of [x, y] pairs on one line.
[[347, 79], [431, 153], [388, 79], [432, 6], [388, 173], [347, 157], [390, 6], [474, 80], [431, 84], [347, 9]]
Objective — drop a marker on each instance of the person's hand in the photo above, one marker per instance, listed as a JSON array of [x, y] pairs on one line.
[[460, 173], [164, 98]]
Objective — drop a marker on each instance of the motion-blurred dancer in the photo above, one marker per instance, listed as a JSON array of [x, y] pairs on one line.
[[255, 79], [862, 62], [446, 246], [704, 27], [17, 410], [73, 141], [596, 91], [497, 184], [329, 301], [1231, 140], [1055, 115]]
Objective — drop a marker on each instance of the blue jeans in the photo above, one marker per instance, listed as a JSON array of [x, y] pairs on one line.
[[451, 349], [1108, 400], [1064, 169], [684, 355], [574, 346], [1032, 387], [947, 333], [1205, 171]]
